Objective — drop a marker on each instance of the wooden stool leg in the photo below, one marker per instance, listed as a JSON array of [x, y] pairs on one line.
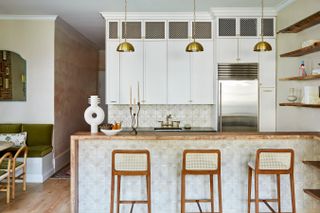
[[8, 188], [279, 193], [118, 192], [183, 193], [211, 193], [256, 194], [149, 192], [249, 188], [24, 188], [293, 195], [13, 194], [220, 192], [112, 194]]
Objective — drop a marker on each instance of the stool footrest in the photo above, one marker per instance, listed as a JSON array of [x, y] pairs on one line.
[[133, 201], [265, 200], [198, 200]]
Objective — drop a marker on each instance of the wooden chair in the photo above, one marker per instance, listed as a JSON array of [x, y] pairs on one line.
[[271, 162], [18, 169], [201, 162], [130, 163], [5, 173]]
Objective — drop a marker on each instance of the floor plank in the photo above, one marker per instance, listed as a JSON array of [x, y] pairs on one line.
[[51, 197]]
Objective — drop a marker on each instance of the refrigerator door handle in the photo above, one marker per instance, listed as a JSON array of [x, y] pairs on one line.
[[220, 107]]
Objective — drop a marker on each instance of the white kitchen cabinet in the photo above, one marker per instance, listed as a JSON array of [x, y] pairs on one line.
[[267, 112], [112, 73], [131, 72], [155, 72], [246, 53], [202, 78], [227, 50], [267, 66], [236, 50], [178, 72]]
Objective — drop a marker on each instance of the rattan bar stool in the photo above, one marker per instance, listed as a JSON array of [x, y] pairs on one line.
[[201, 162], [271, 162], [130, 163]]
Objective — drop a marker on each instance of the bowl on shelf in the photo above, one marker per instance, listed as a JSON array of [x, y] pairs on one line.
[[110, 132]]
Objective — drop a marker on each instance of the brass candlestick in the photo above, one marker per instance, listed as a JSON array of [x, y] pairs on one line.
[[134, 119]]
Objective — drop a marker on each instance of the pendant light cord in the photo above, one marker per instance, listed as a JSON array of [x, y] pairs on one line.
[[194, 20], [125, 20], [262, 24]]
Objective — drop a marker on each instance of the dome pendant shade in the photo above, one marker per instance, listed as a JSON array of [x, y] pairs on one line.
[[194, 47], [125, 47], [262, 46]]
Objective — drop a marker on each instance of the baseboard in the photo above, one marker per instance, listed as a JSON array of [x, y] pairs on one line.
[[39, 178], [61, 160]]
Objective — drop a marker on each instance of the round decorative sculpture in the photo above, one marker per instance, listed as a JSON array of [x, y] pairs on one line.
[[94, 115]]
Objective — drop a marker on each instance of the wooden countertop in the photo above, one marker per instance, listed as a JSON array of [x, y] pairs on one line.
[[197, 136]]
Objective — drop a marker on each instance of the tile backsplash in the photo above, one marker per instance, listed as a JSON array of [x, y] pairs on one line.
[[195, 115]]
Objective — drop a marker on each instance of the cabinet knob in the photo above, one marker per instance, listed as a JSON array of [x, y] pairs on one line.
[[190, 101], [113, 101]]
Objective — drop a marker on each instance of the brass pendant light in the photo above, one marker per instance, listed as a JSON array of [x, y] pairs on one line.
[[125, 46], [194, 46], [262, 46]]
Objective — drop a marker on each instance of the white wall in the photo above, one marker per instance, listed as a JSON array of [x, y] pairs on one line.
[[34, 41], [293, 118]]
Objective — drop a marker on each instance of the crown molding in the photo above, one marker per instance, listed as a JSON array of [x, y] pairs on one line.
[[28, 17], [242, 11], [283, 5], [155, 15]]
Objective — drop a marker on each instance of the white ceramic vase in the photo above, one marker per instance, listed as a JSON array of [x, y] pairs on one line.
[[94, 115]]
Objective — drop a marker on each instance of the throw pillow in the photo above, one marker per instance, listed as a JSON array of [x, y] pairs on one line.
[[19, 139]]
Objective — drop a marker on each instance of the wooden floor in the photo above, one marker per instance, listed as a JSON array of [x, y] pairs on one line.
[[51, 197]]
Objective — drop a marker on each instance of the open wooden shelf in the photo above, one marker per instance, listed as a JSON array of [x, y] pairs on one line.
[[300, 105], [313, 192], [303, 51], [300, 78], [313, 163], [310, 21]]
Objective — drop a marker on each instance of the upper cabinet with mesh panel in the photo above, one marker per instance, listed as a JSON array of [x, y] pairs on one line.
[[202, 29], [245, 27], [113, 30], [268, 27], [155, 30]]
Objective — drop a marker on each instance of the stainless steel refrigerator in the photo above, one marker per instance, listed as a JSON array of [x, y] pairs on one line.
[[238, 97]]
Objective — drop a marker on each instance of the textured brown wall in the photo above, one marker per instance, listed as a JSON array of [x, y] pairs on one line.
[[76, 78]]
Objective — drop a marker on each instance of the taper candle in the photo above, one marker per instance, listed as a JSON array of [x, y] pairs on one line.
[[130, 96], [138, 92]]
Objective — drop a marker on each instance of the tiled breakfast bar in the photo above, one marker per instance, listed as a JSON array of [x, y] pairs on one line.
[[91, 170]]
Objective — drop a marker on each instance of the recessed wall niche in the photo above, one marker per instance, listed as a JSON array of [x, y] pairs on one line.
[[12, 76]]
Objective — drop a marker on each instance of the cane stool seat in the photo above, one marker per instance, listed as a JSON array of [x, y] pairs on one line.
[[271, 162], [201, 162], [130, 163]]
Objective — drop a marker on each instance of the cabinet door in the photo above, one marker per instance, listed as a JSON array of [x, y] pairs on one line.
[[267, 118], [178, 72], [155, 75], [112, 72], [131, 72], [267, 66], [227, 50], [202, 75], [246, 53]]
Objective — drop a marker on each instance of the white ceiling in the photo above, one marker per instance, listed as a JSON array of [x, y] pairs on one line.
[[84, 15]]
